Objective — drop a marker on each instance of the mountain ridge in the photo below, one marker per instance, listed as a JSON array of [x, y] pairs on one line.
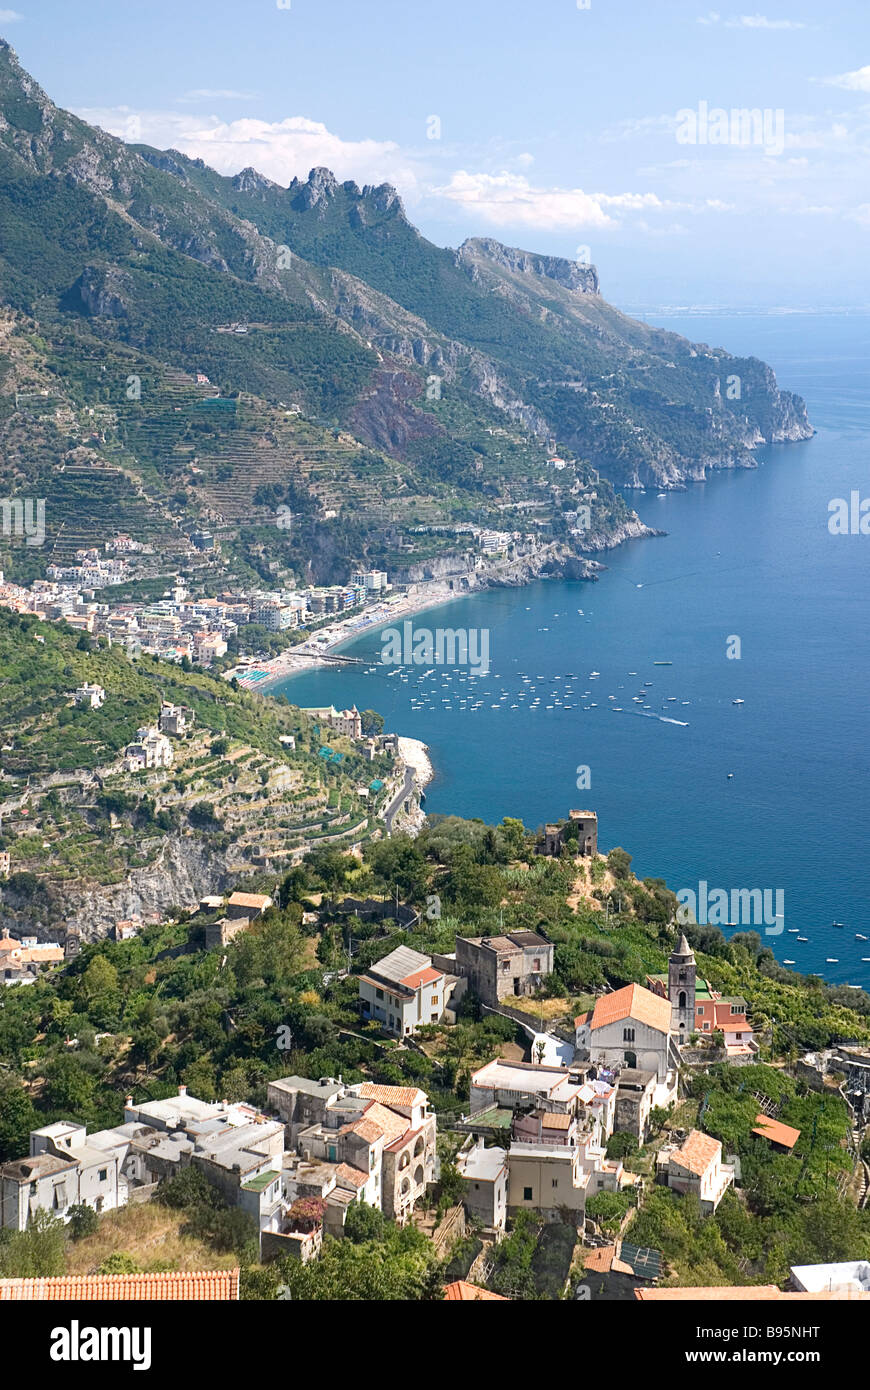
[[454, 373]]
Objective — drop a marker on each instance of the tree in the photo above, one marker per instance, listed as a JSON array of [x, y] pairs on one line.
[[119, 1262], [82, 1221], [68, 1087], [17, 1119], [621, 1145], [372, 722], [35, 1253], [619, 863]]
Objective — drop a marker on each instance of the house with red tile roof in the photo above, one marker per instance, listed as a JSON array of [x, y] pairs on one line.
[[631, 1027], [696, 1167], [403, 990], [375, 1144]]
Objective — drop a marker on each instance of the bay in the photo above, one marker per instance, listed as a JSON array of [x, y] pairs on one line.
[[747, 555]]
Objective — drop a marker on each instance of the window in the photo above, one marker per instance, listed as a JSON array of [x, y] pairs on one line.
[[628, 1035], [102, 1174], [434, 1000], [555, 1182], [737, 1008], [379, 994], [527, 1194], [536, 963]]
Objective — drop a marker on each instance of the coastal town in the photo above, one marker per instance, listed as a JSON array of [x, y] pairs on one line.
[[418, 586], [569, 1134]]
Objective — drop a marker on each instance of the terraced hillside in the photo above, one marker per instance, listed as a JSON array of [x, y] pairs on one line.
[[77, 826]]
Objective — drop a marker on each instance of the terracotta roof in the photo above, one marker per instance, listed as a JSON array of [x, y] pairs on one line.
[[392, 1095], [351, 1176], [183, 1286], [633, 1001], [582, 1018], [600, 1260], [404, 1139], [260, 900], [556, 1121], [698, 1152], [463, 1292], [367, 1129], [422, 977], [391, 1125], [776, 1132]]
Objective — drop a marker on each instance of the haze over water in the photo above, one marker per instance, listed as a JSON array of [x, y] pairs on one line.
[[747, 554]]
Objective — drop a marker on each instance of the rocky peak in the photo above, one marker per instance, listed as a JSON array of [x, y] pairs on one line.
[[251, 181], [16, 82], [581, 278], [322, 185], [384, 197]]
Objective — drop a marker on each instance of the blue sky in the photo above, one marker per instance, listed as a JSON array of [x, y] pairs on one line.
[[558, 129]]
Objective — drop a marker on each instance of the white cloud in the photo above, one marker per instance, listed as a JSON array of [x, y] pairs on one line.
[[857, 81], [750, 21], [281, 150], [510, 200], [10, 16]]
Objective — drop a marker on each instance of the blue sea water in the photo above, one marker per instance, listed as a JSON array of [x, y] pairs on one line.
[[747, 554]]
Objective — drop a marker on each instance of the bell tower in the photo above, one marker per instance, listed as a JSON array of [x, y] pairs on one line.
[[682, 973]]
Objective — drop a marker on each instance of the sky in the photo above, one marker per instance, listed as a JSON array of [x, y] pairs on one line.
[[606, 131]]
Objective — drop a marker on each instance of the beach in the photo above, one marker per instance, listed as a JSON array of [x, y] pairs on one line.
[[262, 675]]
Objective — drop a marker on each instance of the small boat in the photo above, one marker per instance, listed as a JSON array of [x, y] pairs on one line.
[[865, 959], [661, 494], [854, 986], [663, 663], [832, 960], [859, 937], [794, 930], [837, 924], [730, 775], [803, 938], [788, 962], [737, 702]]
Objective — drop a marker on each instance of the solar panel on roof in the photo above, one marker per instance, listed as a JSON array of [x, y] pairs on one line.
[[644, 1262]]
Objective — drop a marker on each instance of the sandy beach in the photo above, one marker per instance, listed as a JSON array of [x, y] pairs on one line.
[[262, 675]]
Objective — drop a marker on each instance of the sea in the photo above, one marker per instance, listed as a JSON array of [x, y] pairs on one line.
[[619, 695]]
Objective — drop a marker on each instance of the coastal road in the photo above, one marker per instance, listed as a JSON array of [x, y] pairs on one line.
[[404, 791]]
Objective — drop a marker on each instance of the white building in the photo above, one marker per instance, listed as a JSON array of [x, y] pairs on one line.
[[402, 991], [62, 1170], [93, 696], [632, 1027], [696, 1167], [849, 1279], [149, 749]]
